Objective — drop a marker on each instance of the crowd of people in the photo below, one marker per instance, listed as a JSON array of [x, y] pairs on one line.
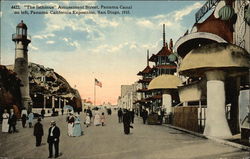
[[74, 124], [127, 118]]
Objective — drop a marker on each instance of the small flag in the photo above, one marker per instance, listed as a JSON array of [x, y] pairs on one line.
[[98, 83]]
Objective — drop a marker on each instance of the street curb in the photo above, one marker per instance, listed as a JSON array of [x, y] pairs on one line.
[[221, 141]]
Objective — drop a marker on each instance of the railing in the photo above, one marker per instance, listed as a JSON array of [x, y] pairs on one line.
[[201, 117], [20, 36]]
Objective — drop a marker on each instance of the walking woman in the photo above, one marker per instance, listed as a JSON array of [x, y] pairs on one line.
[[77, 129], [87, 120], [5, 122]]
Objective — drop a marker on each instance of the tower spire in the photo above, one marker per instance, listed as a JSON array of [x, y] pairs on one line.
[[171, 45], [147, 57], [164, 43]]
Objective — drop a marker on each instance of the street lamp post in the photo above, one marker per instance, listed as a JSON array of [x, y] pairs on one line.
[[53, 102], [60, 103], [44, 101]]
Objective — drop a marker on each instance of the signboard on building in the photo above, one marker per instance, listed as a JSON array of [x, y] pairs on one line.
[[205, 8]]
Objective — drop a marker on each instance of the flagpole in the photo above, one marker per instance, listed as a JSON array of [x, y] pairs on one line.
[[94, 92]]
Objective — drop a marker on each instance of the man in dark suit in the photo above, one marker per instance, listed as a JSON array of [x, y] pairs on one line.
[[90, 112], [38, 132], [42, 113], [53, 139], [12, 122], [120, 114], [126, 122], [144, 115]]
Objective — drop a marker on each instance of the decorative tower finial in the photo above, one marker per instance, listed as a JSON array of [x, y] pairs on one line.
[[147, 57], [164, 43], [171, 45]]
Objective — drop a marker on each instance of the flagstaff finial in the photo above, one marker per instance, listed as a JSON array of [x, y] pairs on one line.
[[164, 43], [147, 57]]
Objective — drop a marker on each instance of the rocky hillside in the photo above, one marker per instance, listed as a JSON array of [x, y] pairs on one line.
[[45, 83], [9, 89]]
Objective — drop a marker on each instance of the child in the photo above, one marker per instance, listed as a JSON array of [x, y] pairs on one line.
[[102, 119], [87, 121], [38, 132]]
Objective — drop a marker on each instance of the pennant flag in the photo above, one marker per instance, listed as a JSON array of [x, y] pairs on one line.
[[98, 83]]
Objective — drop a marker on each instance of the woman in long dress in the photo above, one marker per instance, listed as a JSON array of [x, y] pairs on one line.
[[97, 119], [5, 122], [87, 120], [70, 120], [77, 129], [30, 120]]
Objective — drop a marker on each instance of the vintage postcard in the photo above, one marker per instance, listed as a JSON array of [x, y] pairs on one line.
[[132, 79]]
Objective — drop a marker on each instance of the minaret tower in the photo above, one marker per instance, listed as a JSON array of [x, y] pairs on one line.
[[21, 62]]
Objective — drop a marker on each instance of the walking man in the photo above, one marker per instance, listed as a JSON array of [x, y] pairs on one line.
[[132, 115], [24, 116], [42, 113], [38, 132], [120, 114], [12, 122], [126, 122], [53, 139], [144, 116], [90, 113]]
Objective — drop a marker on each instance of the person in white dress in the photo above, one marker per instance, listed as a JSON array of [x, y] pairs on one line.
[[5, 122], [70, 120], [97, 119], [87, 120]]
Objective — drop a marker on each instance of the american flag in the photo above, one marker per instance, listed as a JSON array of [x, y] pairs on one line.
[[98, 83]]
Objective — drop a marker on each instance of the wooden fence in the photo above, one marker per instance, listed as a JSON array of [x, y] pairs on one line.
[[186, 117]]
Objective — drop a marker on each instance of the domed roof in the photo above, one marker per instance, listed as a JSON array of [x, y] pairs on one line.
[[210, 31], [165, 82], [229, 57], [22, 25]]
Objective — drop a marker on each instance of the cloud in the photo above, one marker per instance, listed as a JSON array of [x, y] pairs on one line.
[[181, 13], [44, 36], [33, 47], [71, 43], [65, 39], [105, 48], [50, 42], [145, 23], [74, 44]]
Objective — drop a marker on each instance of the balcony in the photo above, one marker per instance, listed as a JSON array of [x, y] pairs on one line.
[[16, 37]]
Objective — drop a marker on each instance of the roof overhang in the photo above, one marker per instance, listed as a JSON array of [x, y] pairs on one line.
[[218, 56], [165, 82], [193, 40]]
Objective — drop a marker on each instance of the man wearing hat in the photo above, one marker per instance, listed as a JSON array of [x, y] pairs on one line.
[[53, 139], [38, 132]]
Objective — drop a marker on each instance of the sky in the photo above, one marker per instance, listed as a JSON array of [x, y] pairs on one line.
[[110, 48]]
